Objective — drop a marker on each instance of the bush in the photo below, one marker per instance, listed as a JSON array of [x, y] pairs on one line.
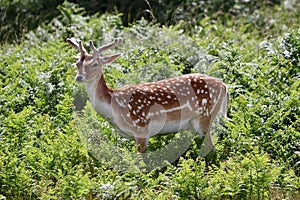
[[20, 17], [46, 150]]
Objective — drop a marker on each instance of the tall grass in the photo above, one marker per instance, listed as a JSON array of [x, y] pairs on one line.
[[54, 146]]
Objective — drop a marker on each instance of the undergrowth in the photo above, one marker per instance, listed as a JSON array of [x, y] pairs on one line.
[[54, 146]]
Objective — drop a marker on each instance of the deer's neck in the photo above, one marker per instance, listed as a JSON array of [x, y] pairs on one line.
[[100, 96]]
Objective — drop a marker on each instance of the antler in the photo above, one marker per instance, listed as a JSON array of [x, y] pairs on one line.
[[78, 46], [82, 49], [111, 45], [105, 47], [97, 51]]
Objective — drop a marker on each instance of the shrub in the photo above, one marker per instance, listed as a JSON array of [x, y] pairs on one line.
[[46, 150]]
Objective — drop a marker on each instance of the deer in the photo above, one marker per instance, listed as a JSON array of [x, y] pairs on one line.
[[140, 111]]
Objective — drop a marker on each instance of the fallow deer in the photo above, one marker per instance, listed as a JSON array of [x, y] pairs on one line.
[[190, 101]]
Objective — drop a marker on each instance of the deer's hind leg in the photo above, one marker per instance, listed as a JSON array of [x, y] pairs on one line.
[[205, 143]]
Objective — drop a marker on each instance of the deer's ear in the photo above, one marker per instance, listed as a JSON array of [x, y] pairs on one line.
[[109, 59]]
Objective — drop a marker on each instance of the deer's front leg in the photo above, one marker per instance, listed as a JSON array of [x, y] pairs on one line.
[[142, 144]]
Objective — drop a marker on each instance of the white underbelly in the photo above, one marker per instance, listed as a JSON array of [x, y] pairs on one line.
[[127, 128], [157, 127]]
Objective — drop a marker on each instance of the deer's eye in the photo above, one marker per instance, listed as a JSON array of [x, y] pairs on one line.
[[95, 65]]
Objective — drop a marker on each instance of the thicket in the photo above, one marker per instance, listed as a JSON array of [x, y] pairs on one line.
[[19, 17], [54, 146]]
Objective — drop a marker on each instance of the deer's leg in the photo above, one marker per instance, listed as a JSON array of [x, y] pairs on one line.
[[142, 144], [207, 148]]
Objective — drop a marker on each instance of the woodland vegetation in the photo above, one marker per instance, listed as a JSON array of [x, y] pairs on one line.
[[54, 146]]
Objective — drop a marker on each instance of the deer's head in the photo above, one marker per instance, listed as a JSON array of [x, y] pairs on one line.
[[90, 65]]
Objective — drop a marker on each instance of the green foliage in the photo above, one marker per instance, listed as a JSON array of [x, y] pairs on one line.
[[241, 177], [248, 177], [50, 151], [271, 119], [18, 17]]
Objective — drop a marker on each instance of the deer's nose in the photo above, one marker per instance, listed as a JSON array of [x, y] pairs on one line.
[[79, 78]]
